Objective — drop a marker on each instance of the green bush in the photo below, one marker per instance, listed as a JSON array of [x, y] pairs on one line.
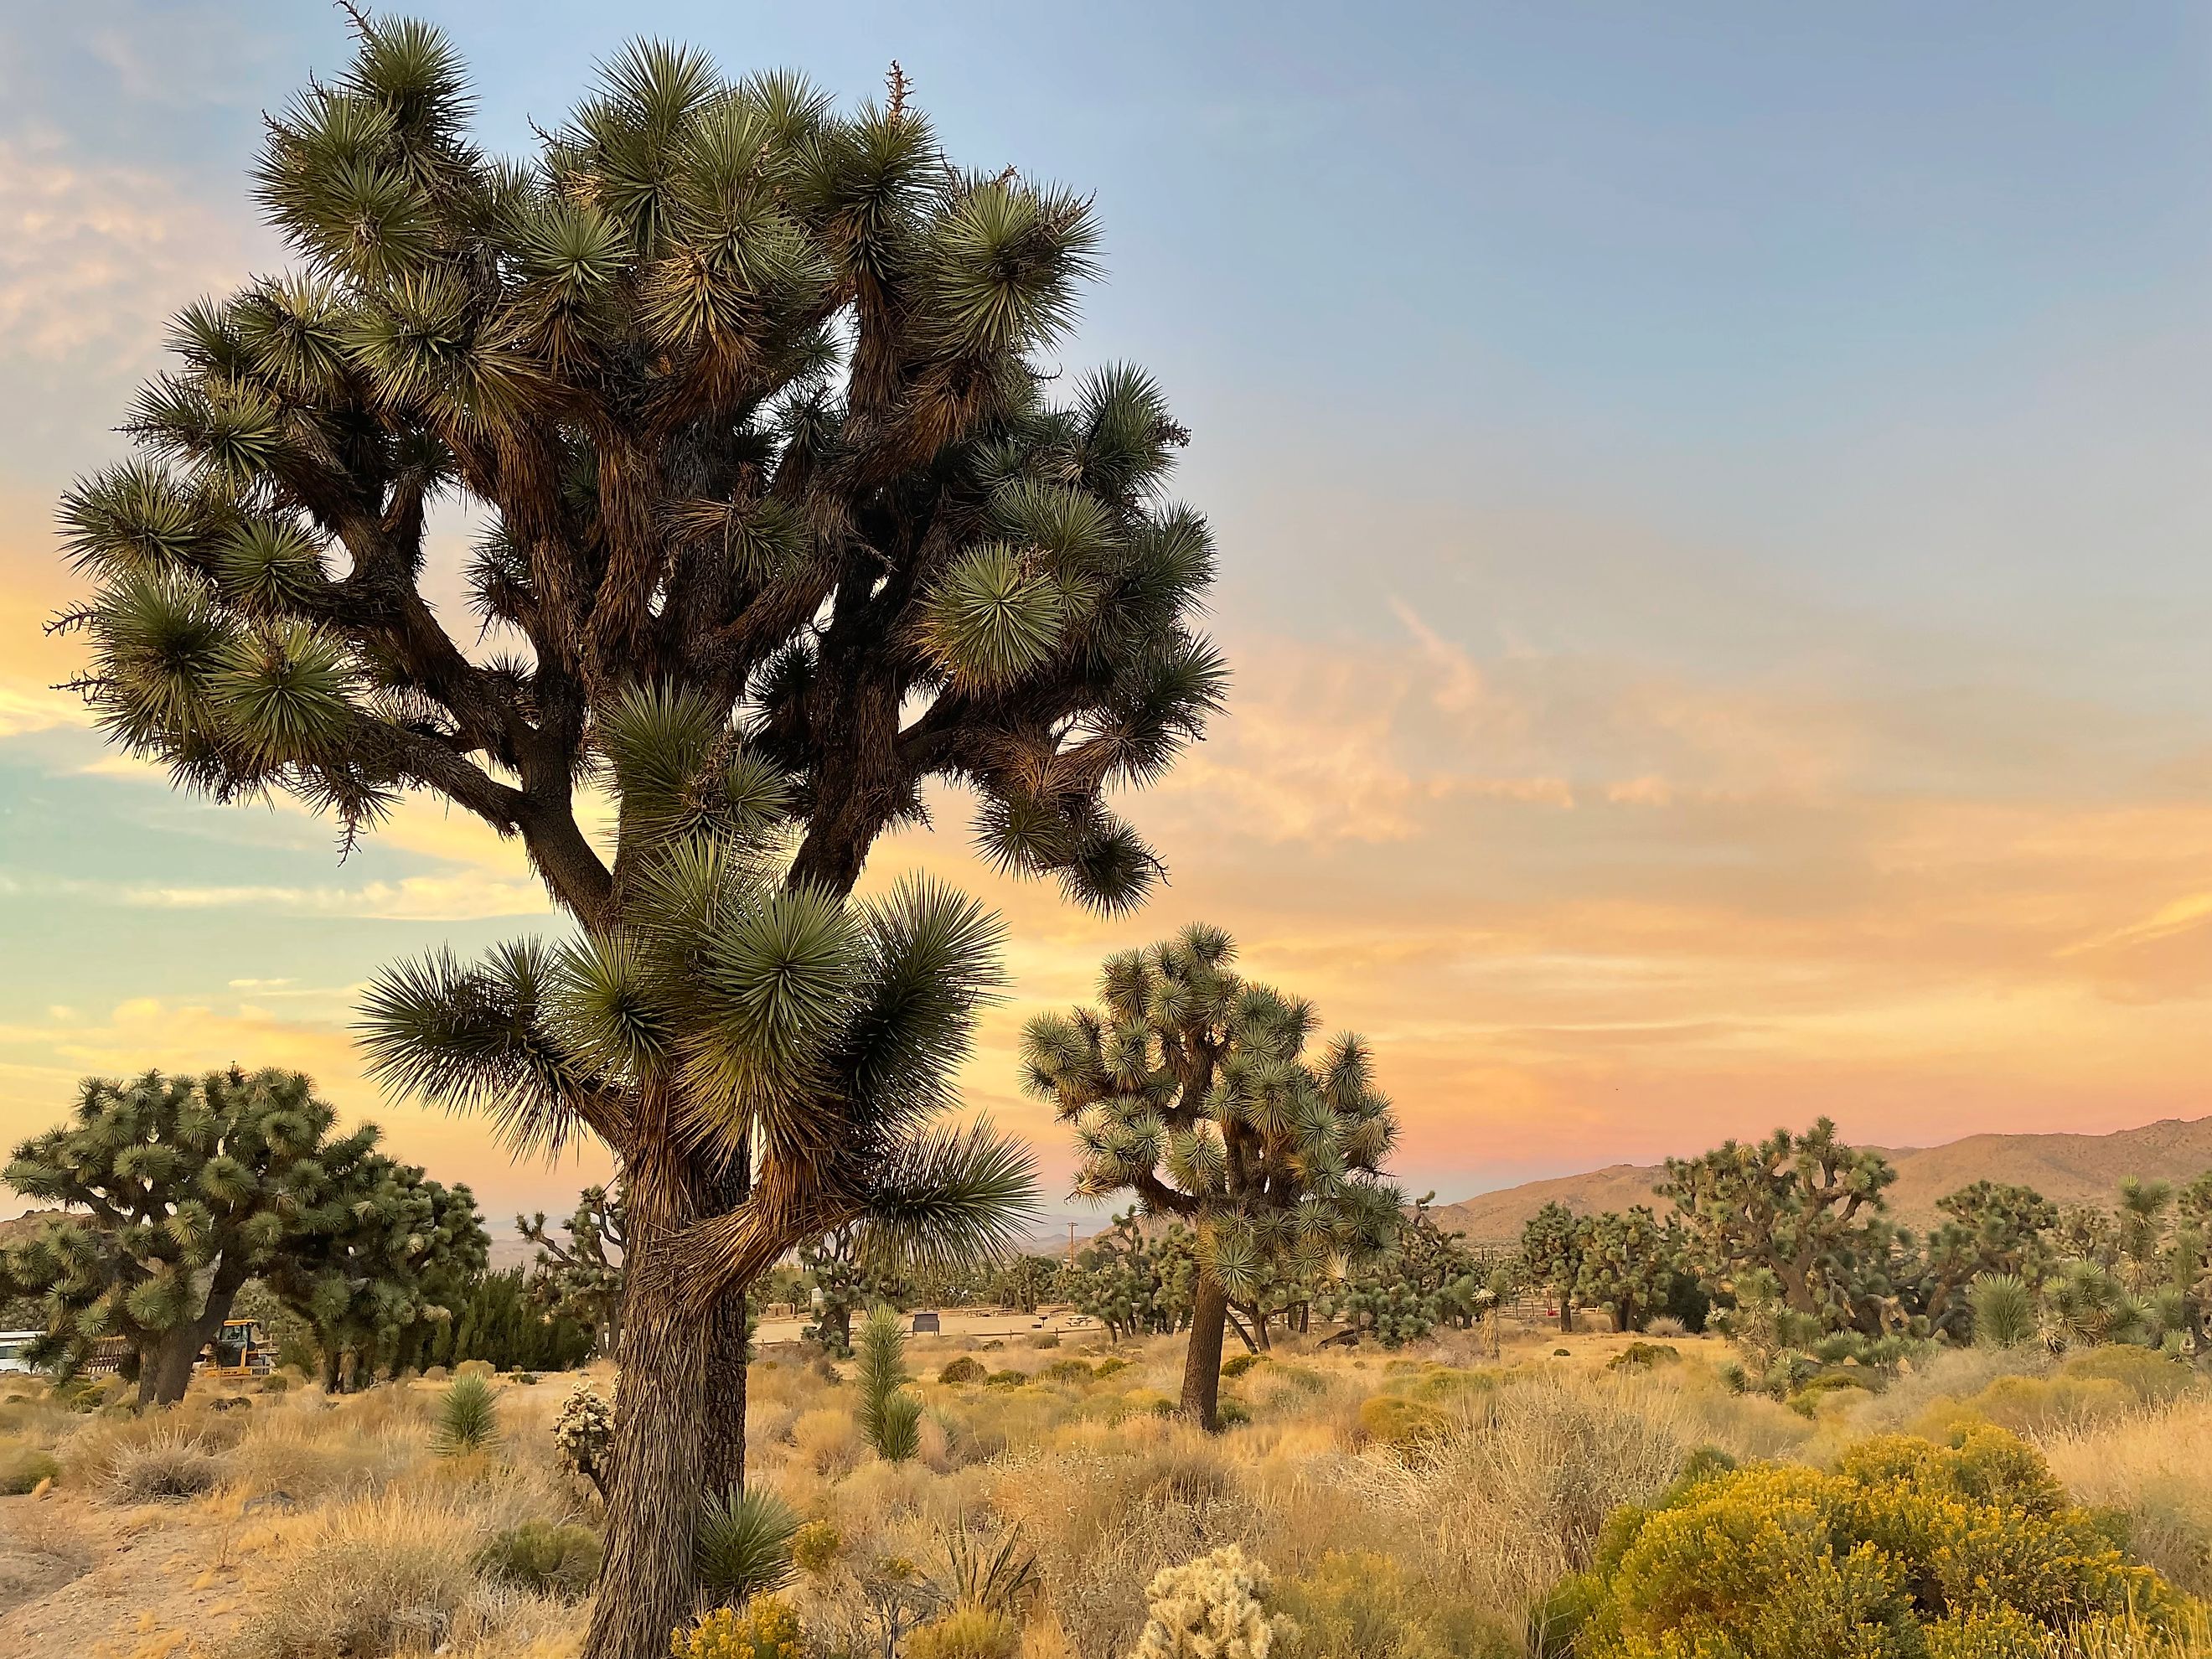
[[21, 1468], [1109, 1365], [1396, 1421], [1906, 1550], [966, 1368], [1365, 1606], [1045, 1339], [1006, 1379], [1231, 1414], [1237, 1364], [544, 1557], [1067, 1371], [1638, 1356]]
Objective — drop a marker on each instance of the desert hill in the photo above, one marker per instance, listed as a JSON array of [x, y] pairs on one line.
[[2066, 1168]]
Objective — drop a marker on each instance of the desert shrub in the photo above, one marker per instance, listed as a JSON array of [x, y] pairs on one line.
[[743, 1545], [1006, 1379], [1805, 1399], [1645, 1354], [827, 1441], [1145, 1402], [966, 1633], [388, 1574], [1231, 1414], [435, 1374], [2151, 1376], [1366, 1605], [21, 1468], [1214, 1608], [1067, 1371], [544, 1557], [1237, 1364], [1107, 1366], [1906, 1548], [766, 1630], [480, 1368], [1666, 1325], [1045, 1339], [168, 1468], [468, 1415], [966, 1368], [1393, 1420], [815, 1546]]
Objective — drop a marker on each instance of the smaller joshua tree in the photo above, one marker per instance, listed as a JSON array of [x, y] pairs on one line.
[[580, 1277], [1194, 1090]]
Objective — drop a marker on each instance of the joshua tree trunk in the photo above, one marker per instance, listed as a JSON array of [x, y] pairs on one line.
[[1201, 1357], [722, 1461], [1566, 1315], [646, 1586], [166, 1369]]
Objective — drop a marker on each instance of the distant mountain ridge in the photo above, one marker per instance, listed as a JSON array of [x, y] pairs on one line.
[[2066, 1168]]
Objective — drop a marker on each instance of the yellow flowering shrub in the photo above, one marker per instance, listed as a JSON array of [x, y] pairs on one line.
[[765, 1630], [1905, 1550]]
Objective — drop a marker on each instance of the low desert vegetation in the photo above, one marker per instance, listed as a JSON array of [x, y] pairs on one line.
[[1430, 1503]]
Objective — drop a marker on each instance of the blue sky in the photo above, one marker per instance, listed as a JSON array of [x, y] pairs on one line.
[[1714, 513]]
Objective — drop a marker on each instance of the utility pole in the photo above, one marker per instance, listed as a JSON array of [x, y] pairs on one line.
[[1071, 1244]]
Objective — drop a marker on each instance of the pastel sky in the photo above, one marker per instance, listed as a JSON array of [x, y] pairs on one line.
[[1714, 504]]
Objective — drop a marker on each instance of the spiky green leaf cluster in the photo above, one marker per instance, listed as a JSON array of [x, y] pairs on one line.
[[749, 391]]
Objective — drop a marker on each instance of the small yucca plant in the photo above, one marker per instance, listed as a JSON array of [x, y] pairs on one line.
[[2004, 1310], [743, 1545], [890, 1418], [468, 1419]]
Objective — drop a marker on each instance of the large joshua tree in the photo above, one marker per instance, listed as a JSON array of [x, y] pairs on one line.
[[781, 520], [1194, 1088]]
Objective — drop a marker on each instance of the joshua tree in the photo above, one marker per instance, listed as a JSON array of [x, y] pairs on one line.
[[841, 1280], [1801, 1207], [582, 1278], [1627, 1266], [1553, 1244], [749, 395], [1991, 1230], [176, 1191], [378, 1280], [1194, 1089]]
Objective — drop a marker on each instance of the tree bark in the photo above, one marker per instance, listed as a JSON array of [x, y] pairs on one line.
[[722, 1456], [722, 1463], [166, 1372], [1201, 1355], [646, 1586]]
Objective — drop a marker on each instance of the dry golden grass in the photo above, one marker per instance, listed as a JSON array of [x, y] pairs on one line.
[[341, 1536]]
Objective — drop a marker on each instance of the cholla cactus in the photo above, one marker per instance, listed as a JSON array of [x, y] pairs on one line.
[[585, 1433], [1211, 1608]]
